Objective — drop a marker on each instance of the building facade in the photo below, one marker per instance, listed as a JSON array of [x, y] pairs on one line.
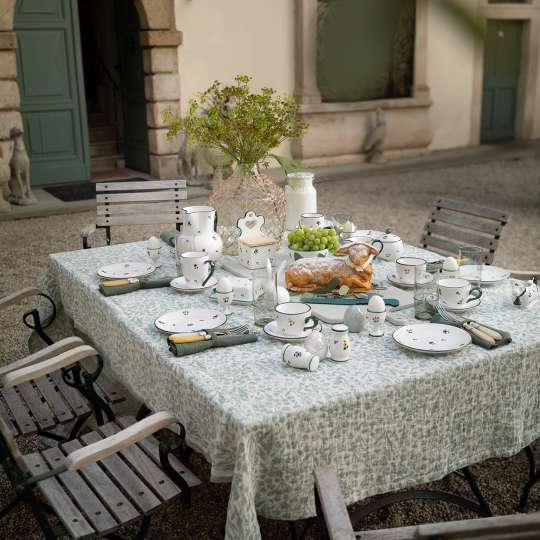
[[89, 79]]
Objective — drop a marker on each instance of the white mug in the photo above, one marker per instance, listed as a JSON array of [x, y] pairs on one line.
[[406, 267], [340, 345], [455, 293], [312, 220], [293, 318], [297, 357], [197, 268]]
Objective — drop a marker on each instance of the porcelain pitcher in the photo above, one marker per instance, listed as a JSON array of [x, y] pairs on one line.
[[199, 232]]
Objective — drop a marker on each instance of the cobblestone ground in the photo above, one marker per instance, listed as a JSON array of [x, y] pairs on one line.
[[401, 202]]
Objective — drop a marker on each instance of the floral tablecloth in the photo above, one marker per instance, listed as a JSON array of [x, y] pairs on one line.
[[387, 419]]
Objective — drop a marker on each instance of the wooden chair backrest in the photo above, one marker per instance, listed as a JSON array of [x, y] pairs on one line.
[[452, 224], [144, 202]]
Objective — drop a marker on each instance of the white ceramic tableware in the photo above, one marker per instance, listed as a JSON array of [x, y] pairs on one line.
[[465, 307], [197, 268], [272, 330], [524, 293], [225, 294], [301, 197], [297, 357], [316, 343], [293, 318], [189, 320], [153, 248], [181, 285], [340, 344], [490, 274], [312, 220], [432, 338], [306, 254], [457, 292], [392, 247], [408, 267], [393, 278], [376, 315], [126, 270], [450, 268]]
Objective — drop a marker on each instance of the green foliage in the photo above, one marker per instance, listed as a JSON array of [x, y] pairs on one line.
[[243, 124]]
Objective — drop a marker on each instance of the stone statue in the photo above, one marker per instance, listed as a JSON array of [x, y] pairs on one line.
[[374, 143], [19, 183], [5, 175], [188, 163]]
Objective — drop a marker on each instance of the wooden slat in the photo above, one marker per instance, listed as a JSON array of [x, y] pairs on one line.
[[110, 494], [40, 410], [442, 245], [72, 396], [140, 219], [70, 516], [24, 421], [142, 208], [141, 185], [153, 475], [59, 407], [472, 238], [493, 228], [143, 196], [473, 209], [139, 493], [113, 391], [151, 446]]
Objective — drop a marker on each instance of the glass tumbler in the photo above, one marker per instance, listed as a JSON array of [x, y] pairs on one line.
[[471, 262], [425, 298]]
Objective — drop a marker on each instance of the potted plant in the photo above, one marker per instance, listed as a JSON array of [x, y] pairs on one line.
[[246, 126]]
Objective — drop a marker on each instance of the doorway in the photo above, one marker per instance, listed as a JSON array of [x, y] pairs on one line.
[[502, 69]]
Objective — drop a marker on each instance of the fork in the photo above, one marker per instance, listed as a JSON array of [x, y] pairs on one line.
[[204, 335], [474, 328]]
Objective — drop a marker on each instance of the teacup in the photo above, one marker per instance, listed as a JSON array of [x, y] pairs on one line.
[[408, 267], [293, 318], [312, 221], [455, 293], [297, 357], [197, 268]]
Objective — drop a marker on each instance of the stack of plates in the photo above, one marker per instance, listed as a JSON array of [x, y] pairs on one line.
[[126, 270]]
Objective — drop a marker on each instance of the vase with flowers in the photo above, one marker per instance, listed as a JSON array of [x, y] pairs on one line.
[[246, 126]]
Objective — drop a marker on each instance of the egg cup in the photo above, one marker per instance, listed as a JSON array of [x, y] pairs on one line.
[[225, 300]]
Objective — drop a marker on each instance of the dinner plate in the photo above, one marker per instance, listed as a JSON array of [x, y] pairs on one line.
[[393, 278], [432, 338], [189, 320], [490, 274], [272, 330], [179, 284], [126, 270]]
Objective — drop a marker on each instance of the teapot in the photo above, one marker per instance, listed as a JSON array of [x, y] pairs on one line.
[[392, 246], [524, 294], [199, 224]]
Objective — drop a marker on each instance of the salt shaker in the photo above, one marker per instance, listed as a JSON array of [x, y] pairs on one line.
[[376, 314], [225, 295], [340, 345], [153, 248]]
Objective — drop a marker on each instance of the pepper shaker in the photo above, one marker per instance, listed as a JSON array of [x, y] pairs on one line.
[[340, 345]]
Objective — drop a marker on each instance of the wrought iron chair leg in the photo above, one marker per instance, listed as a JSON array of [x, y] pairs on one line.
[[473, 484], [39, 515], [534, 477], [292, 530], [9, 507], [145, 525], [77, 426]]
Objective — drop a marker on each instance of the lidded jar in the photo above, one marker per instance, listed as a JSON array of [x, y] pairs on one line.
[[301, 197]]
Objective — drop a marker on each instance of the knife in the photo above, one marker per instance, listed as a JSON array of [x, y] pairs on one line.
[[313, 299]]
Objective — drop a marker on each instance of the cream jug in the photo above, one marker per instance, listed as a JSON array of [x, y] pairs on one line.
[[199, 232]]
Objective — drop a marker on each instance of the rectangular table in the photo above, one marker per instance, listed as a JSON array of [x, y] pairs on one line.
[[387, 419]]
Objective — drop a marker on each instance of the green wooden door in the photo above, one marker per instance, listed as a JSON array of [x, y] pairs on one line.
[[132, 82], [52, 90], [502, 60]]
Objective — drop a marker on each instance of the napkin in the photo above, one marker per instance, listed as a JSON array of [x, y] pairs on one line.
[[214, 341], [336, 300], [169, 237], [506, 337], [135, 285]]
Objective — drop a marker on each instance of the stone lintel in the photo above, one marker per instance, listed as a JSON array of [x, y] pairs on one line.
[[8, 41]]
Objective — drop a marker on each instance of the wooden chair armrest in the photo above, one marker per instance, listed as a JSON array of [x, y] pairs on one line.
[[525, 274], [55, 349], [16, 296], [48, 366], [85, 234], [333, 505], [111, 445]]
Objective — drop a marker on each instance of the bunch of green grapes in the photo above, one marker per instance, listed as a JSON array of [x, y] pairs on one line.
[[304, 239]]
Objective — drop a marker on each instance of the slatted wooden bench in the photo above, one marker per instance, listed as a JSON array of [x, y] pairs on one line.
[[452, 224], [146, 202]]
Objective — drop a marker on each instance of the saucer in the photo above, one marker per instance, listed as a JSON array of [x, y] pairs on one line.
[[393, 278], [490, 274], [126, 270], [179, 284], [465, 307], [272, 330]]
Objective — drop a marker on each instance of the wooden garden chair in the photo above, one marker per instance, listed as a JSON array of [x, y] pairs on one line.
[[452, 224], [100, 482], [145, 202], [335, 523], [70, 395]]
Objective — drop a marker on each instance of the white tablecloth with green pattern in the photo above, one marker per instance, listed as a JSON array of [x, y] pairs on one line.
[[387, 419]]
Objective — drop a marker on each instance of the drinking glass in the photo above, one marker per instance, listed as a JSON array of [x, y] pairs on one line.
[[425, 297], [473, 258]]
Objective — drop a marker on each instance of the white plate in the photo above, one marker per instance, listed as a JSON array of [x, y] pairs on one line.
[[272, 330], [465, 307], [393, 278], [126, 270], [189, 320], [490, 274], [432, 338], [179, 284]]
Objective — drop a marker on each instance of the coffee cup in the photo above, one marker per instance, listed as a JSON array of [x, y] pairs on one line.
[[311, 220], [456, 292], [297, 357], [197, 268], [293, 318], [409, 267]]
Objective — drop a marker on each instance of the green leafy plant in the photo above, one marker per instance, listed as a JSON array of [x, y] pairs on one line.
[[245, 125]]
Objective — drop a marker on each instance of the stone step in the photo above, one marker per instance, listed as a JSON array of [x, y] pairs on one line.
[[105, 148], [102, 133], [105, 163]]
